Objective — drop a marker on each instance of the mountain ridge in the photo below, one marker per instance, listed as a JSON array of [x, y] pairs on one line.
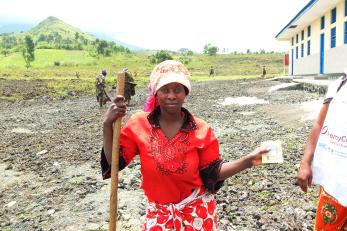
[[55, 30], [15, 28]]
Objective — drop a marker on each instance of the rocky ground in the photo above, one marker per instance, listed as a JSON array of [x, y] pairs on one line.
[[49, 160]]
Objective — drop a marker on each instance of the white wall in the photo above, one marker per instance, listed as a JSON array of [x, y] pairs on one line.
[[307, 66], [335, 59], [335, 62]]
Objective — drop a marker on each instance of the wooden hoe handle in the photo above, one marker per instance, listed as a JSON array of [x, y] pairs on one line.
[[115, 160]]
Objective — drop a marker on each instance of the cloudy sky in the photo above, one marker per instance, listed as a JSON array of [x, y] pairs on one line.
[[236, 25]]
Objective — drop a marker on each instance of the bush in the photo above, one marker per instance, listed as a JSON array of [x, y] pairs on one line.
[[159, 57]]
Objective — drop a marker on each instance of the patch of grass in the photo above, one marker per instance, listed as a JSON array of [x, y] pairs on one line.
[[63, 87], [267, 208], [47, 58], [44, 223], [237, 182], [11, 98], [26, 216], [77, 70], [263, 194], [235, 77]]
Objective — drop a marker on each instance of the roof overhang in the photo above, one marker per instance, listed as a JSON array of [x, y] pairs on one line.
[[313, 10]]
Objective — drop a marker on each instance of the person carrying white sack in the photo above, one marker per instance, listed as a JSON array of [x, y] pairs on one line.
[[325, 159]]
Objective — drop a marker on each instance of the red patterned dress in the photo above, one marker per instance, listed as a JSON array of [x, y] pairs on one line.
[[179, 175]]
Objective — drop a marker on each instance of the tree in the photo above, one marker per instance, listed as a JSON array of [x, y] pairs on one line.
[[7, 43], [101, 47], [28, 51], [185, 57], [5, 52], [185, 51], [159, 57], [77, 35], [210, 50]]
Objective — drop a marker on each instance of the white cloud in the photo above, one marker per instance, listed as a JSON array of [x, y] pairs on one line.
[[159, 24]]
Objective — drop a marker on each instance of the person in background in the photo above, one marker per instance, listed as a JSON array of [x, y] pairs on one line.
[[181, 165], [211, 72], [129, 86], [100, 87], [325, 159], [264, 72]]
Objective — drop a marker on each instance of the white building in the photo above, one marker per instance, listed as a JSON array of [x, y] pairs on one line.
[[318, 38]]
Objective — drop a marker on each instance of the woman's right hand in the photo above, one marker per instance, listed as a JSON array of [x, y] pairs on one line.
[[115, 111], [304, 176]]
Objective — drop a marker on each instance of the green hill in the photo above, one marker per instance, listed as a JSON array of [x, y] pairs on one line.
[[55, 32], [53, 25]]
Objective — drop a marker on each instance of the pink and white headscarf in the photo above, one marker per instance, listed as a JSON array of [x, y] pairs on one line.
[[169, 71]]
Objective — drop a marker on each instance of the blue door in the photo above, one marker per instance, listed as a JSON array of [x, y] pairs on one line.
[[321, 64], [292, 58]]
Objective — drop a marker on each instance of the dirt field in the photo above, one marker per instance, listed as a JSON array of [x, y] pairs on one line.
[[49, 160]]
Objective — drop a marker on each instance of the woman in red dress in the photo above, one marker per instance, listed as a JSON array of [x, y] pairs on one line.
[[179, 154]]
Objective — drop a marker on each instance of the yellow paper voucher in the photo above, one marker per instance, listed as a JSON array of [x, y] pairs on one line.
[[275, 154]]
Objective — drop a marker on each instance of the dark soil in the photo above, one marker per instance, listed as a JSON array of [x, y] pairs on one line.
[[49, 160]]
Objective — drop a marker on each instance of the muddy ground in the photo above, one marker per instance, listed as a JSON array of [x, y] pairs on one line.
[[49, 160]]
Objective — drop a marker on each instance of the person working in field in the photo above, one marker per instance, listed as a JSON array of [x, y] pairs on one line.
[[181, 165], [100, 86], [264, 72], [325, 159], [129, 86], [211, 72]]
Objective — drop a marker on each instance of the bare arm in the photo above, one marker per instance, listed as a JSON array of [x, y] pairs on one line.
[[115, 111], [233, 167], [304, 175]]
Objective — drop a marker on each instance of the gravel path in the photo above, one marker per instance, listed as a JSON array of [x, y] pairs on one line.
[[49, 160]]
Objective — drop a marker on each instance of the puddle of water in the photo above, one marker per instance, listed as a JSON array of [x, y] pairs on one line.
[[243, 101], [312, 108], [246, 113], [22, 131], [280, 86]]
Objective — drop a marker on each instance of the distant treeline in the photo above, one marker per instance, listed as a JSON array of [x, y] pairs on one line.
[[10, 43]]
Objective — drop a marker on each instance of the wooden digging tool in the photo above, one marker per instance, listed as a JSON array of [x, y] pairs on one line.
[[115, 160]]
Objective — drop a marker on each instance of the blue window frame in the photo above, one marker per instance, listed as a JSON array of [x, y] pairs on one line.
[[308, 31], [297, 38], [296, 52], [345, 7], [308, 47], [302, 50], [302, 35], [345, 33], [333, 38], [322, 23], [333, 15], [292, 41]]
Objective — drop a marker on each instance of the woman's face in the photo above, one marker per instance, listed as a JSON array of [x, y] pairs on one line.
[[171, 97]]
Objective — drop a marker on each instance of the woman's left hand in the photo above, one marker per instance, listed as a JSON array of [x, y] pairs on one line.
[[256, 156]]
